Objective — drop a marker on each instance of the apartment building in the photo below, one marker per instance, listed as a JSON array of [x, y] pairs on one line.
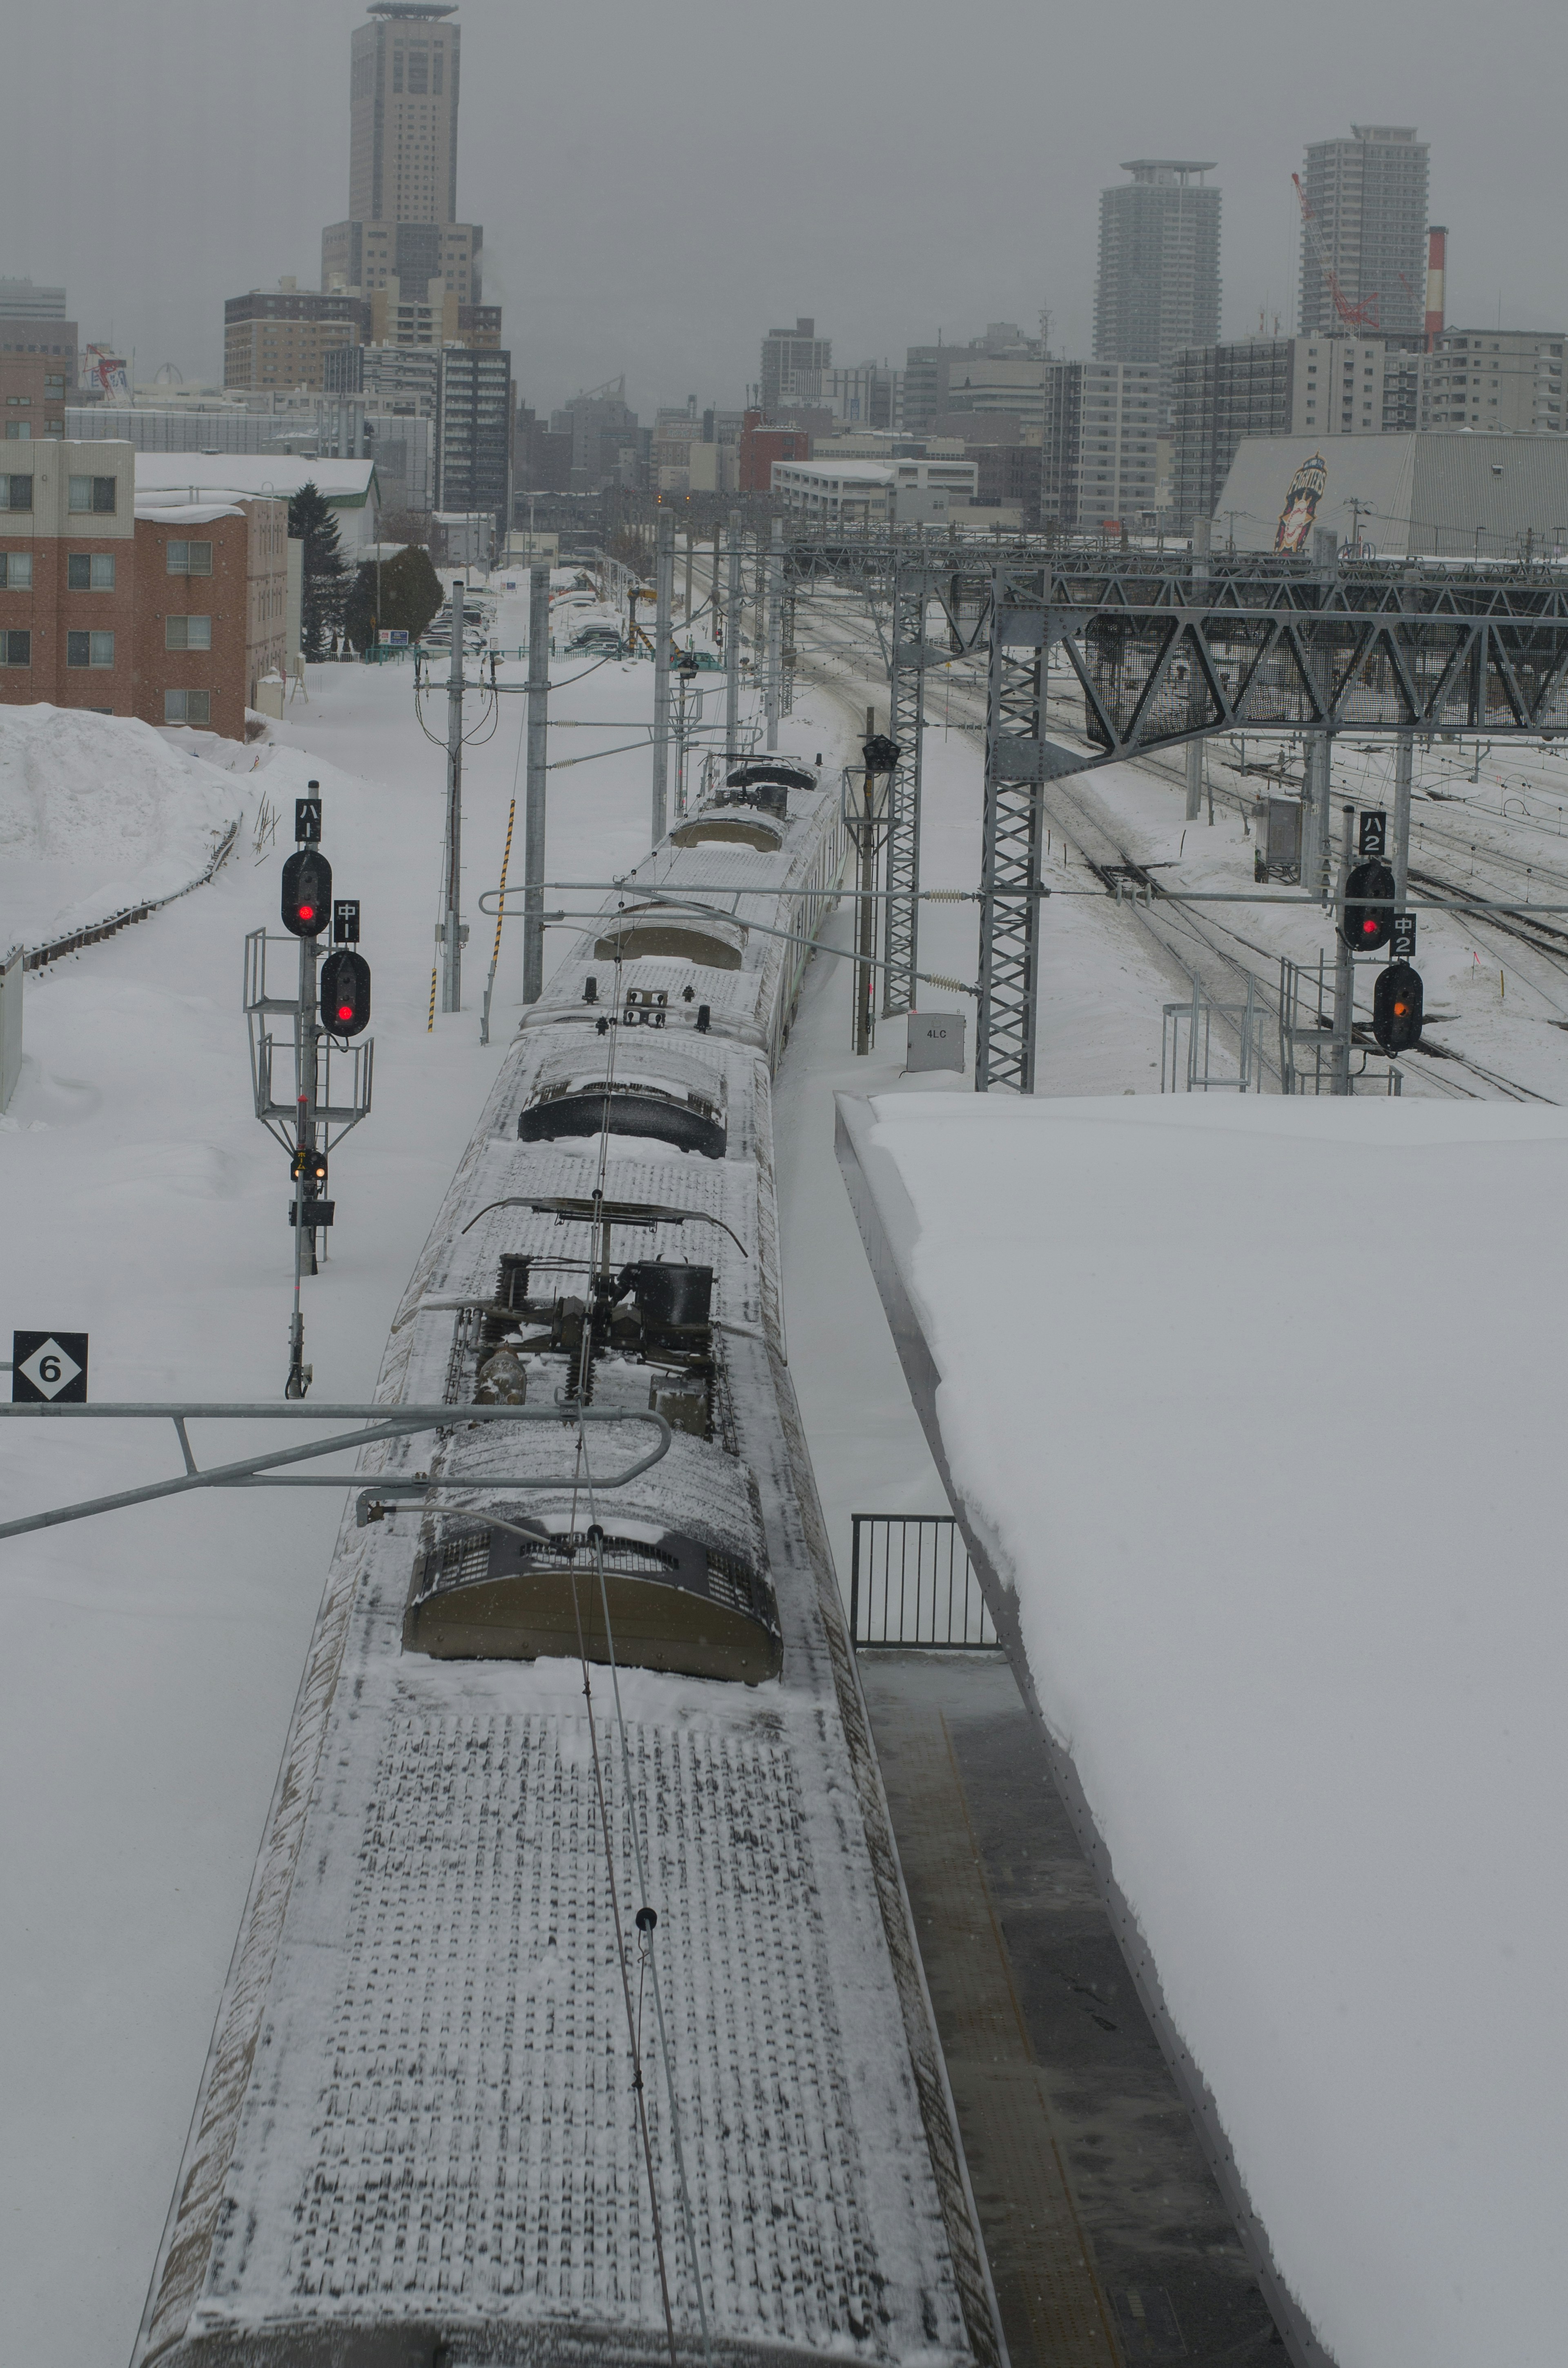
[[787, 353], [171, 610], [1157, 288], [473, 434], [1367, 225], [276, 337], [1509, 380], [1099, 458], [1318, 386]]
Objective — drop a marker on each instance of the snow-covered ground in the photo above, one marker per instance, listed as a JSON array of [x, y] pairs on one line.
[[1254, 1402], [153, 1655]]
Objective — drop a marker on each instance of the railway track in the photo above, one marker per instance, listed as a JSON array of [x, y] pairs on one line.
[[1190, 943]]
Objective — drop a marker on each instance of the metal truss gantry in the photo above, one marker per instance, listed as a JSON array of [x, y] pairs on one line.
[[906, 678], [1168, 648]]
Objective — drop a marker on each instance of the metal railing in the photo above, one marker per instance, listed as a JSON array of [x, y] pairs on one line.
[[911, 1584]]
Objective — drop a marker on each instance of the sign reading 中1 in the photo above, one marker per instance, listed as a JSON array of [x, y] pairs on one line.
[[1402, 939], [1374, 839], [48, 1368], [345, 921], [307, 822]]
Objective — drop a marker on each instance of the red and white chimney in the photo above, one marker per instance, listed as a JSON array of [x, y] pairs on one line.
[[1436, 258]]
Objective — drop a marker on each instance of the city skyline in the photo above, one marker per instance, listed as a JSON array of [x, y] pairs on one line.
[[146, 268]]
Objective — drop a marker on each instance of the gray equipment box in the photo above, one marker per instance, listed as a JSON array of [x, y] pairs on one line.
[[935, 1040]]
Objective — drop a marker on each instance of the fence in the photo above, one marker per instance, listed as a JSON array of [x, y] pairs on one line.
[[911, 1584]]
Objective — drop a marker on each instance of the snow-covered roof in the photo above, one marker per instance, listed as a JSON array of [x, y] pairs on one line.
[[245, 475], [187, 513], [1261, 1436]]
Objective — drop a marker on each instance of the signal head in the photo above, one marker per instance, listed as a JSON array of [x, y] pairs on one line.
[[345, 992], [307, 893], [1365, 926]]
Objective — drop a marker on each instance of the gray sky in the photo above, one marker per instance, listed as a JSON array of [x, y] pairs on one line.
[[660, 184]]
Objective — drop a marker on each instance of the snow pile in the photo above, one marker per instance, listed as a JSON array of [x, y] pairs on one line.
[[98, 812], [1258, 1404]]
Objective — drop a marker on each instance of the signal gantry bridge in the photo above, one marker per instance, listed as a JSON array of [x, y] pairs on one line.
[[1168, 649]]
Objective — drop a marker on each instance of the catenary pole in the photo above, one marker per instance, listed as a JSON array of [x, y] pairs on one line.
[[451, 924], [1344, 967], [663, 600], [533, 798], [1403, 756], [1198, 689], [775, 628], [733, 640]]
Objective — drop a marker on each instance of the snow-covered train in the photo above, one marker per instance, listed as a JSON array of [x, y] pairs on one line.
[[575, 2015]]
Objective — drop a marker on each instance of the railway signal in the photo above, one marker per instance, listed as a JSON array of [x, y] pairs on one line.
[[1367, 919], [307, 893], [308, 1165], [1396, 1007], [345, 992]]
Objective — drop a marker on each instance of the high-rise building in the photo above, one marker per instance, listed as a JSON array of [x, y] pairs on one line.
[[402, 161], [473, 434], [1158, 288], [605, 437], [1102, 427], [1365, 224], [787, 351], [933, 375]]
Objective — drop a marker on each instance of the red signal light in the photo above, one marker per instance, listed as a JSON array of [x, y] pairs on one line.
[[307, 912], [346, 1011]]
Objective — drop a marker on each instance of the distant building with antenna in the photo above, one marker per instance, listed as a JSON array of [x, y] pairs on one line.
[[1158, 286], [1364, 233]]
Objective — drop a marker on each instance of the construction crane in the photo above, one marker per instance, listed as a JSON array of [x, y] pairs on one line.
[[1363, 316]]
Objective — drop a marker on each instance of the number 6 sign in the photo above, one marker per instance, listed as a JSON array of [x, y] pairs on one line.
[[48, 1368]]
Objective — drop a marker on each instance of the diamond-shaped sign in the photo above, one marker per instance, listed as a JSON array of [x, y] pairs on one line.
[[49, 1367]]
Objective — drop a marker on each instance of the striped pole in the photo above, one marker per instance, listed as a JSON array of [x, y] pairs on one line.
[[500, 916]]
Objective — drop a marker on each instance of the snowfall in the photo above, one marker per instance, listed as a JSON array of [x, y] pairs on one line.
[[153, 1654]]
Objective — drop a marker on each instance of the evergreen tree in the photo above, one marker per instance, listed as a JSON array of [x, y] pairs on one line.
[[311, 521], [409, 596]]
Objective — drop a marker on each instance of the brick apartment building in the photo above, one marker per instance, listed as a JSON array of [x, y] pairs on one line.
[[171, 612]]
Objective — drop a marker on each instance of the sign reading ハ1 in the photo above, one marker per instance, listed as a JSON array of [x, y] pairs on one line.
[[48, 1368]]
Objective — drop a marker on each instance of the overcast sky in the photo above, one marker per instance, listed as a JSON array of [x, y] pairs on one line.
[[660, 184]]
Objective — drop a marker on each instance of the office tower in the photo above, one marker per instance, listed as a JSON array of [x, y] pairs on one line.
[[1364, 233], [1158, 288], [402, 162], [787, 351]]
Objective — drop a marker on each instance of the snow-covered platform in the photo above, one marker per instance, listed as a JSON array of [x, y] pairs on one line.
[[1250, 1412]]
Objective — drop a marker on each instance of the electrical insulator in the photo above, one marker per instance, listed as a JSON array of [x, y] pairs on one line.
[[1396, 1007], [1367, 926], [344, 994], [307, 893]]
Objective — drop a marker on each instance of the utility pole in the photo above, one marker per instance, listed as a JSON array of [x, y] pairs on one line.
[[733, 641], [663, 581], [1344, 967], [716, 602], [533, 800], [1404, 756], [775, 629], [687, 612], [451, 901], [1197, 688]]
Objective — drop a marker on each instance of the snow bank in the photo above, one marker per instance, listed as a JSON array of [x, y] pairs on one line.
[[98, 812], [1260, 1405]]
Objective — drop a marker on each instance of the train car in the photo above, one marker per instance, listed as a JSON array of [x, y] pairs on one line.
[[575, 2015]]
